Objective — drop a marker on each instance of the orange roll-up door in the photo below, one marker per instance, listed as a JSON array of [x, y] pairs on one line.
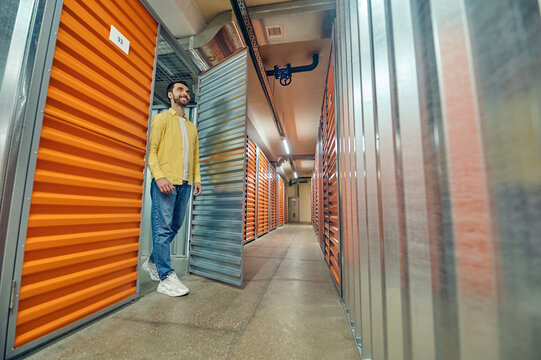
[[83, 230], [281, 201], [284, 202], [331, 235], [314, 198], [251, 171], [272, 197], [263, 196]]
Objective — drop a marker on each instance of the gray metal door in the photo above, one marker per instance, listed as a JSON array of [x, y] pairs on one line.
[[293, 205], [218, 213]]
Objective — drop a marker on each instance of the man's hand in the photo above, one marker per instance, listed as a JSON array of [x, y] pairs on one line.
[[197, 188], [165, 186]]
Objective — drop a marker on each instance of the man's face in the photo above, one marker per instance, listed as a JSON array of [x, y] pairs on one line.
[[180, 94]]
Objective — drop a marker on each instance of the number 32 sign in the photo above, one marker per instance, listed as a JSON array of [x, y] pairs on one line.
[[119, 40]]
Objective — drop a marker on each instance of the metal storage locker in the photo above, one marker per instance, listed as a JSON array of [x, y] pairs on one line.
[[78, 247], [285, 202], [314, 194], [281, 202], [251, 174], [262, 195], [272, 197], [331, 233], [319, 224]]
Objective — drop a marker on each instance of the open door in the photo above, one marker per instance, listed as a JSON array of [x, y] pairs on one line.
[[218, 213]]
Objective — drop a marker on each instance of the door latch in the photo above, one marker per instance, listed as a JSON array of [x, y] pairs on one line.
[[12, 299]]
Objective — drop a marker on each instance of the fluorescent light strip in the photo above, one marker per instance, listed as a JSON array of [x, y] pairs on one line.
[[286, 146]]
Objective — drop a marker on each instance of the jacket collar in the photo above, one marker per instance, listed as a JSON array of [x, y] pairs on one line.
[[174, 113]]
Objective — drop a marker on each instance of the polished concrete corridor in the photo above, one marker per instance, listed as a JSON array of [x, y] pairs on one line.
[[288, 309]]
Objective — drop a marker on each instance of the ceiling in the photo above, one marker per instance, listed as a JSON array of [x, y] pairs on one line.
[[303, 34], [210, 8]]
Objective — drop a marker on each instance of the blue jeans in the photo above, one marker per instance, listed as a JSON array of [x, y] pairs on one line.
[[168, 212]]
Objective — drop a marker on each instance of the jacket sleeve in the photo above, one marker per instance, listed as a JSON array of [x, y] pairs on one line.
[[196, 170], [157, 125]]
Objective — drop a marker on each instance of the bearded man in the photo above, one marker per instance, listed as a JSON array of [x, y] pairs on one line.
[[173, 160]]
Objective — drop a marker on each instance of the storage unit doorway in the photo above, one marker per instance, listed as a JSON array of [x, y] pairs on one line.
[[74, 222]]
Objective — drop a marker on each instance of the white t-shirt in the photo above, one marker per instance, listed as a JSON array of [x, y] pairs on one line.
[[185, 148]]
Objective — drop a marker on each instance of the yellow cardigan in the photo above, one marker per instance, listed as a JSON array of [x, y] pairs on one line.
[[165, 148]]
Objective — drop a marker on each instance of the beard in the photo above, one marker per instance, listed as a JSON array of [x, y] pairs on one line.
[[182, 101]]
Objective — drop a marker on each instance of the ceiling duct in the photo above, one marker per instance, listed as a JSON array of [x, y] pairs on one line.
[[219, 40], [226, 42], [222, 37]]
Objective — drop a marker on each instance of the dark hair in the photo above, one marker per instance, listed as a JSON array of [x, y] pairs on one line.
[[172, 85]]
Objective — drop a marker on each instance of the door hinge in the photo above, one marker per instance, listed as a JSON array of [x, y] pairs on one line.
[[12, 299]]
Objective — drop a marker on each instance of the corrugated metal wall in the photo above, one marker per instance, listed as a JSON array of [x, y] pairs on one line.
[[251, 175], [218, 213], [440, 153], [80, 254]]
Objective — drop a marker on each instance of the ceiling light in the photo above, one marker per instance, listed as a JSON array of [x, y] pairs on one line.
[[286, 146], [295, 174]]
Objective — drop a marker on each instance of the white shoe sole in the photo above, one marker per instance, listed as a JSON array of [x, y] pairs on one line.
[[168, 292], [147, 268]]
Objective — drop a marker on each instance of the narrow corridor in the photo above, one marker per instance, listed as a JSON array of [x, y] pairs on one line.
[[288, 309]]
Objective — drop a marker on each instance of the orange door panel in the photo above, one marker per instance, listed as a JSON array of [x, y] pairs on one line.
[[249, 218], [83, 230], [263, 196], [272, 197], [330, 185], [282, 213]]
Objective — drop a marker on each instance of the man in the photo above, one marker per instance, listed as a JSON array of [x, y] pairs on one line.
[[173, 160]]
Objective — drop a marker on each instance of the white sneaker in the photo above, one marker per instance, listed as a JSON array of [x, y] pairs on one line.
[[172, 286], [151, 269]]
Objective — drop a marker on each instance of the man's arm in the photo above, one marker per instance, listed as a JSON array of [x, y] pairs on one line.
[[157, 126]]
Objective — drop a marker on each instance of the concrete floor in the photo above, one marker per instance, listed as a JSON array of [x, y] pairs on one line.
[[288, 309]]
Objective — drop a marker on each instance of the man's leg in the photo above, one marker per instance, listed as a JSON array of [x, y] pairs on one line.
[[183, 196], [163, 208]]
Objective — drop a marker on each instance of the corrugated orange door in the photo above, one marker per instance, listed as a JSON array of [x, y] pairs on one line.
[[83, 230], [272, 197], [263, 196], [281, 202], [284, 203], [332, 236], [314, 198], [251, 163]]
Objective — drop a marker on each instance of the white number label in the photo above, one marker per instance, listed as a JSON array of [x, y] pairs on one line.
[[119, 40]]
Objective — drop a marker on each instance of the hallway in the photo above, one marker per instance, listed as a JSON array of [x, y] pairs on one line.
[[288, 309]]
